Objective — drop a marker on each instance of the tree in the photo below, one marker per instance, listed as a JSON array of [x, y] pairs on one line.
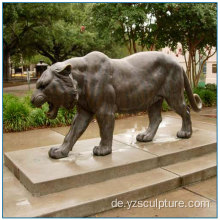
[[19, 20], [61, 37], [194, 25], [13, 32], [57, 31], [131, 24]]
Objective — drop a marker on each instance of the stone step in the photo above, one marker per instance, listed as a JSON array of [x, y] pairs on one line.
[[98, 197], [196, 169], [168, 148], [42, 175]]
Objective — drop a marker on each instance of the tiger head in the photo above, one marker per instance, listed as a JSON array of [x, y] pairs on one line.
[[56, 87]]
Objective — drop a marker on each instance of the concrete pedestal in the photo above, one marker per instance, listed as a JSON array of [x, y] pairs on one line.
[[83, 184]]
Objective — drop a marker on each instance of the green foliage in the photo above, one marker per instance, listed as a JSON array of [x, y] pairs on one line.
[[37, 117], [211, 87], [198, 90], [207, 95], [188, 24], [68, 115], [8, 98], [27, 59], [201, 84], [51, 30], [130, 24], [61, 40], [15, 114], [165, 106], [19, 114], [26, 100]]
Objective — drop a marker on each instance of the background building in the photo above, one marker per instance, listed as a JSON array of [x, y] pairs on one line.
[[209, 69]]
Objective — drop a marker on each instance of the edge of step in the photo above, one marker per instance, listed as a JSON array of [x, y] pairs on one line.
[[78, 180], [95, 198]]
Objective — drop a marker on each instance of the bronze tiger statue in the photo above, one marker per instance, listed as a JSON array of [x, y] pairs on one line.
[[102, 86]]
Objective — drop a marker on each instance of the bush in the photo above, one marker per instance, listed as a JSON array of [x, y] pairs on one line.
[[19, 114], [211, 87], [27, 100], [8, 98], [37, 117], [165, 106], [67, 115], [198, 91], [201, 84], [15, 115], [207, 94], [208, 97]]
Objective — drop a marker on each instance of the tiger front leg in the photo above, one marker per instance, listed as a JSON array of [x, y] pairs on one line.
[[106, 122], [78, 126]]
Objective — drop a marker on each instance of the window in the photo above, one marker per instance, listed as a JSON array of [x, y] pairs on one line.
[[204, 68], [214, 68]]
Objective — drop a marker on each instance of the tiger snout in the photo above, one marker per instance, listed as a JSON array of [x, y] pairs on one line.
[[38, 98]]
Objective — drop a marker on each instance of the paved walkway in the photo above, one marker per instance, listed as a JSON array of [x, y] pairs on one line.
[[21, 90], [203, 191], [50, 136], [197, 193]]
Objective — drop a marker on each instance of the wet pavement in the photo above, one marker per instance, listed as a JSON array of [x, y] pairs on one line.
[[51, 136], [198, 193], [165, 149]]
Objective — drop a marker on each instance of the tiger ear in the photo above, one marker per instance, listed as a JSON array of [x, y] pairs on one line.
[[66, 70], [45, 79]]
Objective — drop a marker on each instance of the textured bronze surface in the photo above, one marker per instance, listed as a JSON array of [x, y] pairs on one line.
[[102, 86]]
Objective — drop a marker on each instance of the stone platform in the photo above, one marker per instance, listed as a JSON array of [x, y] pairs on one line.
[[83, 184]]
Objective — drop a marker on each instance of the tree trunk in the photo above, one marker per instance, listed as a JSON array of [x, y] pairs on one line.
[[134, 46], [129, 47], [193, 69], [152, 47], [6, 65], [189, 68]]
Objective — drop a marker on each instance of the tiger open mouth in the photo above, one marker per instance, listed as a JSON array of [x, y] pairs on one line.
[[39, 100], [53, 110]]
